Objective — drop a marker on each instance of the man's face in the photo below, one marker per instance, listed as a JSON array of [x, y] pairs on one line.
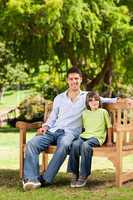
[[74, 81]]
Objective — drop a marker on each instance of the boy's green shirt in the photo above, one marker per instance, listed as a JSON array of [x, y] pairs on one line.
[[95, 124]]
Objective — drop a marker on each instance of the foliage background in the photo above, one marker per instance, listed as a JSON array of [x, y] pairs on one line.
[[41, 39]]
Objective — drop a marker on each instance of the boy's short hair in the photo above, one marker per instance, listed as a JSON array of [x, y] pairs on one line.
[[74, 70], [91, 95]]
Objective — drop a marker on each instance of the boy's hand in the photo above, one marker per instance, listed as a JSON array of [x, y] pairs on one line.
[[109, 144]]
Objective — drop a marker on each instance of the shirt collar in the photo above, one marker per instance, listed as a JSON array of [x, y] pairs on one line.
[[81, 92]]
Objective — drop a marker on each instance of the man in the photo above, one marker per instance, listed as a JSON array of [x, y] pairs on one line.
[[63, 126]]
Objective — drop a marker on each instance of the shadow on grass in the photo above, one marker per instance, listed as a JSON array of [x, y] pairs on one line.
[[99, 179], [8, 93], [9, 130], [12, 130], [9, 178]]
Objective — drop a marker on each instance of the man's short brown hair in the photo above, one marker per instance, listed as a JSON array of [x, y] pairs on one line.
[[74, 70]]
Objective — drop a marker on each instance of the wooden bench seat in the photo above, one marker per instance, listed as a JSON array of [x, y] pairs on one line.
[[121, 143]]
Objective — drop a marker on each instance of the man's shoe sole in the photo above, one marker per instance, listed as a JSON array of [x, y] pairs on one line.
[[30, 186], [73, 186]]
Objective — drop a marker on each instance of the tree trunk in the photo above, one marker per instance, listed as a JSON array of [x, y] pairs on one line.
[[108, 82], [89, 85], [2, 89]]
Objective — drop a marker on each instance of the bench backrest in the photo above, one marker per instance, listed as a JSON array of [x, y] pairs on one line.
[[121, 116], [122, 120], [48, 109]]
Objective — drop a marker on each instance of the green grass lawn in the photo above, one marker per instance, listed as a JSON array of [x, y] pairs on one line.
[[14, 97], [100, 186], [9, 148], [97, 188]]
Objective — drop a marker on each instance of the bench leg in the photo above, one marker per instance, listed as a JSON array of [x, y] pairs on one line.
[[119, 157], [21, 152], [44, 162], [118, 174]]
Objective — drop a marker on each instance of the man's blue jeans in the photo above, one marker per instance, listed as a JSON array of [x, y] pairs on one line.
[[84, 148], [40, 143]]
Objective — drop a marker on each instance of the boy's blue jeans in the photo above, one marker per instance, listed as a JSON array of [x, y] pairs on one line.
[[84, 148], [40, 143]]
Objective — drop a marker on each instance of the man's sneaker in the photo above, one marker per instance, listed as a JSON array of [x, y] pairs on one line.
[[81, 181], [30, 185], [74, 179], [42, 181]]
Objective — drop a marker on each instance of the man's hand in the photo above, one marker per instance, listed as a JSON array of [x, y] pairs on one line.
[[109, 144], [121, 99], [42, 131], [129, 101]]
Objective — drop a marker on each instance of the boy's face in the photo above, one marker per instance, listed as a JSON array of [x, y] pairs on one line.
[[93, 103], [74, 81]]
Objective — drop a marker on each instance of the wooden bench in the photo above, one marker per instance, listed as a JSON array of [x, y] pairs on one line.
[[121, 139]]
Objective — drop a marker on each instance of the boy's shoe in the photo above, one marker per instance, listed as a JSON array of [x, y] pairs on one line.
[[74, 179], [81, 181], [30, 185]]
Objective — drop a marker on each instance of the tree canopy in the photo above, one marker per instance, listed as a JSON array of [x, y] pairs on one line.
[[95, 35]]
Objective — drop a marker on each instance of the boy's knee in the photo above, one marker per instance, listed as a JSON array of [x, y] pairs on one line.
[[86, 147], [65, 144]]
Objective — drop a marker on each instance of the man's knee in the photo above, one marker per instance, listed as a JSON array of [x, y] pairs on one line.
[[64, 146], [75, 144], [32, 145]]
